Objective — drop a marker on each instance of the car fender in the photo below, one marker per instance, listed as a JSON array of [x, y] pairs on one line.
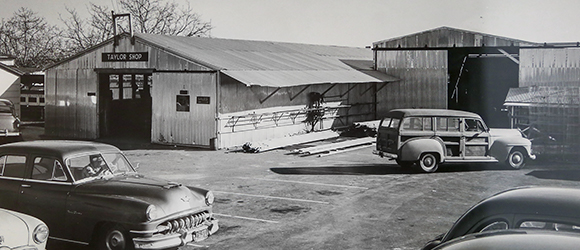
[[413, 148], [86, 212], [501, 147]]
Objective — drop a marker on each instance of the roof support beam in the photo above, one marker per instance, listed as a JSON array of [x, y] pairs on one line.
[[349, 89], [299, 92], [270, 95], [509, 56]]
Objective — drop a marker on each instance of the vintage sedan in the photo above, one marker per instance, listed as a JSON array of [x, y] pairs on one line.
[[514, 239], [9, 121], [21, 231], [89, 193], [429, 137], [527, 208]]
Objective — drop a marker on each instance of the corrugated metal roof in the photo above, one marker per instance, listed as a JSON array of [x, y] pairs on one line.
[[543, 95], [273, 64]]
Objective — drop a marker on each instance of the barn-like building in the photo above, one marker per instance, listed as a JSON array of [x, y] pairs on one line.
[[208, 92]]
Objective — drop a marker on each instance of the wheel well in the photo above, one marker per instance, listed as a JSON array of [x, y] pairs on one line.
[[520, 148]]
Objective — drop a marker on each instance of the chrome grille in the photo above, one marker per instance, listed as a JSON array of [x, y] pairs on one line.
[[183, 223]]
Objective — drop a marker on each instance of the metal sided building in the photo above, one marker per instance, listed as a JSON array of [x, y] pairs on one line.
[[547, 104], [208, 92], [449, 68]]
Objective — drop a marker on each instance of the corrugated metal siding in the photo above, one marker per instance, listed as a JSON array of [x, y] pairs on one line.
[[550, 67], [196, 127], [424, 81], [449, 37]]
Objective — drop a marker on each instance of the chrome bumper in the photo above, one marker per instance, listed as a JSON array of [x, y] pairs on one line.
[[176, 239], [385, 154]]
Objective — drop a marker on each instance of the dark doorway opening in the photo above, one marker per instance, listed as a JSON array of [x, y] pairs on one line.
[[480, 82], [125, 105]]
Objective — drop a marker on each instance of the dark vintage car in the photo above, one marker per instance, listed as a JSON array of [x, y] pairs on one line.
[[20, 231], [514, 239], [526, 208], [89, 193]]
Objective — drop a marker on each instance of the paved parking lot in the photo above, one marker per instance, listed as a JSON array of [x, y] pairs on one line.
[[352, 200]]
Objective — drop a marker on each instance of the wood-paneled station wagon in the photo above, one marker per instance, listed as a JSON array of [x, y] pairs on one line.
[[89, 193], [429, 137]]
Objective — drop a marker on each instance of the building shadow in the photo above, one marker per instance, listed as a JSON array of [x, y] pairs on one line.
[[381, 169], [564, 175]]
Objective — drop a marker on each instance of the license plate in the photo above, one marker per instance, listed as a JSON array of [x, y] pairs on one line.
[[200, 235]]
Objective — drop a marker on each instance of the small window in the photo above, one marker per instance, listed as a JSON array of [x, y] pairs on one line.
[[395, 123], [23, 99], [453, 124], [428, 123], [13, 165], [32, 99], [473, 125], [550, 226], [413, 123], [182, 103], [386, 122]]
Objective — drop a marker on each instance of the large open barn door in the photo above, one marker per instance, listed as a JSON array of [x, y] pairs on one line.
[[125, 105]]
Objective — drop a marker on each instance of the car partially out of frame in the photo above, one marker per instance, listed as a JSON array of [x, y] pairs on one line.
[[553, 209], [429, 137], [514, 239], [89, 193], [21, 231]]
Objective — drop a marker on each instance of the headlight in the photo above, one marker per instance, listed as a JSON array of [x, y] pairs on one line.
[[209, 198], [151, 212], [40, 234]]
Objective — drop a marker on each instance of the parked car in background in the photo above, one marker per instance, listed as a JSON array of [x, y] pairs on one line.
[[9, 121], [514, 239], [526, 208], [89, 193], [429, 137], [21, 231]]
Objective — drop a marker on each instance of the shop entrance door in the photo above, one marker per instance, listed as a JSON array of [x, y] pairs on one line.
[[125, 105]]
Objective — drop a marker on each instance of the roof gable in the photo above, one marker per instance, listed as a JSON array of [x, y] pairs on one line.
[[447, 37]]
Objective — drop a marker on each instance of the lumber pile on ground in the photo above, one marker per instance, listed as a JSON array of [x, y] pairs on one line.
[[263, 146], [338, 147]]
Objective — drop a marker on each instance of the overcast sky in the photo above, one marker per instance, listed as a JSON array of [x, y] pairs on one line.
[[358, 22]]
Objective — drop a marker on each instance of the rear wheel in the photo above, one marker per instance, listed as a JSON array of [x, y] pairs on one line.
[[516, 159], [113, 238], [428, 162]]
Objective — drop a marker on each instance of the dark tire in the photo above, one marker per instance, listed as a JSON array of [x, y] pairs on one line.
[[405, 164], [516, 159], [428, 163], [113, 238]]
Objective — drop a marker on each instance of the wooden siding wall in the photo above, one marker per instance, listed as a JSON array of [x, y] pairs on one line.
[[550, 67], [70, 112], [424, 81], [277, 116], [196, 127]]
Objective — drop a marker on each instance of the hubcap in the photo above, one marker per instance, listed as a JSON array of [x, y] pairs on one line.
[[516, 159], [428, 162], [115, 240]]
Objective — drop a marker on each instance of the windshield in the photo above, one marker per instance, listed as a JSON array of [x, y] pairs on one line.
[[98, 165]]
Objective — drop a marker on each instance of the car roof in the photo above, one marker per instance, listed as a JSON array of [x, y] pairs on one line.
[[57, 148], [515, 239], [400, 113], [548, 201]]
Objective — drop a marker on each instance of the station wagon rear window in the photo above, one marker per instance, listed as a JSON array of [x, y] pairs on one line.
[[390, 122]]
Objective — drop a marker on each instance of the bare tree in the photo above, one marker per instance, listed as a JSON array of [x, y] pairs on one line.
[[148, 16], [30, 39]]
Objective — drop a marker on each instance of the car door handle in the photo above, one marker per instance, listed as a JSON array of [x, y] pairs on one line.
[[25, 185]]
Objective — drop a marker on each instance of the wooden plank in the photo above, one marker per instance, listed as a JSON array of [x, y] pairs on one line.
[[291, 140], [337, 146]]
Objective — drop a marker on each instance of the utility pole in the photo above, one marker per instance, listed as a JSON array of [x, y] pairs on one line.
[[116, 41]]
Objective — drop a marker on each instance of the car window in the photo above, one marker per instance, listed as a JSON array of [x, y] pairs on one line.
[[390, 123], [386, 122], [13, 165], [47, 169], [550, 226], [447, 124], [117, 163], [473, 125], [95, 165], [495, 225], [417, 123]]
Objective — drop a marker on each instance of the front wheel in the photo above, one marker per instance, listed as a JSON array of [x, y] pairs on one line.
[[113, 238], [516, 159], [428, 163]]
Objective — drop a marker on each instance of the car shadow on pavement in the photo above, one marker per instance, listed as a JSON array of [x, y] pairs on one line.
[[380, 169], [564, 175]]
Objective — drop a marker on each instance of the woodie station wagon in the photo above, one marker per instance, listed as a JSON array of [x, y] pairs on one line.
[[429, 137]]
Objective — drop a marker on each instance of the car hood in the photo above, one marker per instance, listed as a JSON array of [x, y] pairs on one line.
[[170, 197], [13, 229], [504, 132]]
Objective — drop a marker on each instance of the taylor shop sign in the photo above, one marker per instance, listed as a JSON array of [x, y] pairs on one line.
[[126, 57]]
